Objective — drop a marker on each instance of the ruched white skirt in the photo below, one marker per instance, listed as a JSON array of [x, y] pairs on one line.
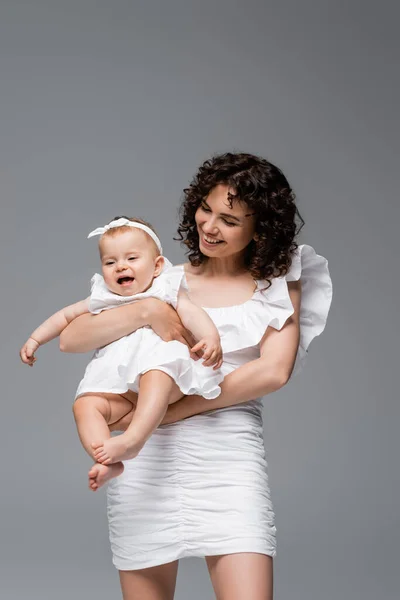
[[198, 488]]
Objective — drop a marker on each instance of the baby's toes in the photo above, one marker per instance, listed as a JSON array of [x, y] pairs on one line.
[[102, 457]]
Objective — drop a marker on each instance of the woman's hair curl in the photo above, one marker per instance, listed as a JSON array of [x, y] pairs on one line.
[[265, 189]]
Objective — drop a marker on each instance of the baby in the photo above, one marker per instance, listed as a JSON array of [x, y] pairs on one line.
[[133, 268]]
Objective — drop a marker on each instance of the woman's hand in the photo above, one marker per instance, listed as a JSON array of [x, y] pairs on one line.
[[89, 332], [165, 322]]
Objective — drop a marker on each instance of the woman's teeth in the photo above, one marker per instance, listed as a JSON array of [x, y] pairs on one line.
[[211, 241]]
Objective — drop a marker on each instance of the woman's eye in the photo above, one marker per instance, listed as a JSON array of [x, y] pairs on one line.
[[207, 209]]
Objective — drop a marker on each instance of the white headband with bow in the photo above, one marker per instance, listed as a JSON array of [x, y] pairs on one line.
[[122, 222]]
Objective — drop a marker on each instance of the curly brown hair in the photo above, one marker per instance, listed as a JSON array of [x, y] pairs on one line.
[[266, 191]]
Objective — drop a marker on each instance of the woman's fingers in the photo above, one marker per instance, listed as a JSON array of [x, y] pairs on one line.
[[185, 337], [167, 324], [189, 340]]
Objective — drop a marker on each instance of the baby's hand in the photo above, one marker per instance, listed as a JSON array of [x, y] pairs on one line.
[[212, 351], [27, 352]]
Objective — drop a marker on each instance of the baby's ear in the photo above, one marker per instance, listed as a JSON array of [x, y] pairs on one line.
[[159, 265]]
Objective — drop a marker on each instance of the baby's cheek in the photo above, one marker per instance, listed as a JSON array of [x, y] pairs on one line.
[[106, 276], [109, 281]]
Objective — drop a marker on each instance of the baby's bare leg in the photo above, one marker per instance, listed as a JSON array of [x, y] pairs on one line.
[[92, 414], [123, 423], [156, 391]]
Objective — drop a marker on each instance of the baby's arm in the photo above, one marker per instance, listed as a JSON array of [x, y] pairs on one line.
[[51, 328], [202, 327]]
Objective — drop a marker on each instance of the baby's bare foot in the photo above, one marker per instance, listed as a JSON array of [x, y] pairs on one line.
[[121, 447], [100, 474]]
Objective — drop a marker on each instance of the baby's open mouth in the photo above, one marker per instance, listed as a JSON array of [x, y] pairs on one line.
[[125, 280]]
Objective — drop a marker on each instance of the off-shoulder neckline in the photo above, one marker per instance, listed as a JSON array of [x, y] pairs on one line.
[[259, 285]]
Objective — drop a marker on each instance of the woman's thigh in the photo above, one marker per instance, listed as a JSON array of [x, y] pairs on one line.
[[154, 583], [242, 575]]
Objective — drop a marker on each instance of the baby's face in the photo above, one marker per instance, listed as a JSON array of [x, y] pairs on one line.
[[128, 261]]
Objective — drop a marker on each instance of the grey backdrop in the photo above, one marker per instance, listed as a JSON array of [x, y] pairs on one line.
[[109, 108]]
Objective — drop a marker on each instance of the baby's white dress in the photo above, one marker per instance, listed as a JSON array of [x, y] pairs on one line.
[[199, 487], [117, 367]]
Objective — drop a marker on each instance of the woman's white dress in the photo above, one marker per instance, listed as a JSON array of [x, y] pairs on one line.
[[200, 486], [117, 367]]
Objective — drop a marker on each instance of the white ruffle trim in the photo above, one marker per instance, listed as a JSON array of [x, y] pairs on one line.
[[174, 359], [243, 325], [316, 297]]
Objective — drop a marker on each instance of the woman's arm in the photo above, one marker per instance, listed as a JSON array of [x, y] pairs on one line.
[[89, 332], [256, 378]]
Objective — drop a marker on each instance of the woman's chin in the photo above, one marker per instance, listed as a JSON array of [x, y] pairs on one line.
[[209, 251]]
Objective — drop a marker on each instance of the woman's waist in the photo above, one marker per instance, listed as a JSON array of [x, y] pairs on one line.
[[240, 417]]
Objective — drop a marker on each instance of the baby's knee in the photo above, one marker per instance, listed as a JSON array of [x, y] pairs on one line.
[[84, 405]]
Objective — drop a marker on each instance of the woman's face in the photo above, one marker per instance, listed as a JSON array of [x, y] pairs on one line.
[[223, 231]]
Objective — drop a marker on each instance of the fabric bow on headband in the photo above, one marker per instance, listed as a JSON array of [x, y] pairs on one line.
[[122, 222]]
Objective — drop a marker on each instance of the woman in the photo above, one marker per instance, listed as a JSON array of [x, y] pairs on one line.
[[200, 486]]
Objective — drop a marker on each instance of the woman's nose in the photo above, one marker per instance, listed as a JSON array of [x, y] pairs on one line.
[[210, 226]]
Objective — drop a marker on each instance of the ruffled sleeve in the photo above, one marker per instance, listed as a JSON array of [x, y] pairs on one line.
[[316, 297], [167, 285]]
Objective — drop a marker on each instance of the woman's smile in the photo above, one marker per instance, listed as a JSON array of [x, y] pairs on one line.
[[209, 241]]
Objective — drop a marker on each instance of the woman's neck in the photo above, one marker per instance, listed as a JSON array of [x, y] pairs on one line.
[[219, 267]]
